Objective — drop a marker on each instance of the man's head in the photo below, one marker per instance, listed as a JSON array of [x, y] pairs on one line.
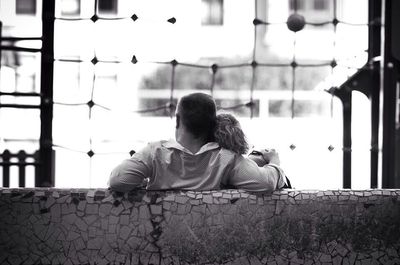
[[197, 113]]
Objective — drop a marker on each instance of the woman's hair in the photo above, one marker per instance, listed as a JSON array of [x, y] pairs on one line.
[[228, 134]]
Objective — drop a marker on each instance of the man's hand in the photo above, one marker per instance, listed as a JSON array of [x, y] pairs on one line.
[[271, 156], [265, 156], [257, 157]]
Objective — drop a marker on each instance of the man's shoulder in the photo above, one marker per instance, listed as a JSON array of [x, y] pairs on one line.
[[161, 144], [174, 145], [154, 145], [149, 148], [158, 143]]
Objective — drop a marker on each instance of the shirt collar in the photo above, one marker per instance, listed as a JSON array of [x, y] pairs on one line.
[[175, 145]]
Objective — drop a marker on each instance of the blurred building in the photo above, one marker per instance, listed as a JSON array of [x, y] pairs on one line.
[[205, 31]]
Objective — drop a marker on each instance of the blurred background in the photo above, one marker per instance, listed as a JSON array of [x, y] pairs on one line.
[[119, 67]]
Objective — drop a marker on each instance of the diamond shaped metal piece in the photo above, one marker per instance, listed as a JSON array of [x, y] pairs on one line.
[[90, 104], [330, 148], [94, 18], [214, 68], [174, 62], [333, 63], [134, 59], [90, 153], [250, 104], [94, 61], [257, 21], [134, 17], [132, 152], [170, 105], [292, 146], [172, 20]]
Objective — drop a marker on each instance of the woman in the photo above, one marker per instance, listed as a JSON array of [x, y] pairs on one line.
[[229, 135]]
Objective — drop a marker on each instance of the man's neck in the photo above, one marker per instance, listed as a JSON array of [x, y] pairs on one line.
[[190, 143]]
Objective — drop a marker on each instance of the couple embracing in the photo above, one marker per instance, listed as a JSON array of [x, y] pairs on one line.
[[207, 154]]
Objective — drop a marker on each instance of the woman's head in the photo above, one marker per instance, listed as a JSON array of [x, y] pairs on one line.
[[228, 134]]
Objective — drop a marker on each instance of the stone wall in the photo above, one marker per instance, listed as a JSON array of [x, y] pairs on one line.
[[53, 226]]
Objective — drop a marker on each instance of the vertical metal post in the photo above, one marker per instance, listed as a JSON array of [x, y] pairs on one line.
[[347, 143], [374, 50], [36, 159], [21, 168], [1, 34], [1, 55], [6, 168], [344, 93], [395, 30], [46, 168], [389, 103]]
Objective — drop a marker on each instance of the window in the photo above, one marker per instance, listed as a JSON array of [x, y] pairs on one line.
[[212, 12], [302, 108], [321, 5], [70, 7], [313, 10], [25, 7], [235, 106], [261, 13], [296, 4], [315, 5], [158, 105], [108, 6]]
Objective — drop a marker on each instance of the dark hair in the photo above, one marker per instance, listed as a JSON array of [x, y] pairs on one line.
[[197, 112], [228, 134]]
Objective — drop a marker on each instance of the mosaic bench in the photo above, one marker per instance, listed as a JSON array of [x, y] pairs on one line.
[[60, 226]]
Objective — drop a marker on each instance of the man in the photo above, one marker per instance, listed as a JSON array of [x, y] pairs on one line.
[[194, 161]]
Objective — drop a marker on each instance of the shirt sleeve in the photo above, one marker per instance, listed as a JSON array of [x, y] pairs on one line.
[[249, 176], [131, 173]]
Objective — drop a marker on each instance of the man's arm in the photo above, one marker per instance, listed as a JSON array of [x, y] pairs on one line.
[[249, 176], [131, 172]]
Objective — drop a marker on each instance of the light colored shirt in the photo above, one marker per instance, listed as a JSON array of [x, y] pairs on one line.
[[169, 165]]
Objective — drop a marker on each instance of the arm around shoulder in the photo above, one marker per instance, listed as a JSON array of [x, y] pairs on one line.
[[275, 175], [249, 176]]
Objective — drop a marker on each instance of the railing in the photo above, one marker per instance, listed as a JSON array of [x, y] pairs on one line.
[[20, 160], [44, 173]]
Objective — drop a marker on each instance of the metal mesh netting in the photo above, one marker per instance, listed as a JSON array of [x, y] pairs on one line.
[[120, 68]]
